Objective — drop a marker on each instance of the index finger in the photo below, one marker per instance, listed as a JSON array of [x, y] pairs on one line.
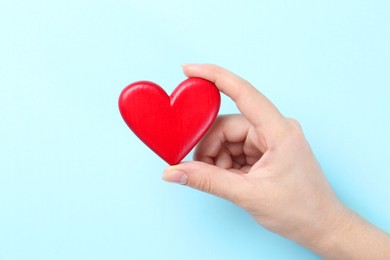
[[258, 109]]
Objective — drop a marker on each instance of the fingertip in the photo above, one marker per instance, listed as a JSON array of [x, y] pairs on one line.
[[204, 159], [172, 174], [187, 67], [199, 70]]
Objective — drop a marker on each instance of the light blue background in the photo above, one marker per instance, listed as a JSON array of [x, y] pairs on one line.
[[75, 183]]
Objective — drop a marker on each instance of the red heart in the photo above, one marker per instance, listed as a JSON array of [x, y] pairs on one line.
[[170, 125]]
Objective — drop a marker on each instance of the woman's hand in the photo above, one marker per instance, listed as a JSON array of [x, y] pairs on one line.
[[261, 161]]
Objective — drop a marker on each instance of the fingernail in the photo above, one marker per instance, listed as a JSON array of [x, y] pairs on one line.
[[174, 175], [188, 65]]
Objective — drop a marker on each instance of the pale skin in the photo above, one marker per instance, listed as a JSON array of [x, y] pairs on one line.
[[261, 161]]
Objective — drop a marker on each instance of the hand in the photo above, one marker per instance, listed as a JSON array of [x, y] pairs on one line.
[[261, 161]]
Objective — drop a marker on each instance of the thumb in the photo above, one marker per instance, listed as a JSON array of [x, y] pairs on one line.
[[207, 178]]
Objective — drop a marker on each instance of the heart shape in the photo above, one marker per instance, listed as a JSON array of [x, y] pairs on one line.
[[170, 125]]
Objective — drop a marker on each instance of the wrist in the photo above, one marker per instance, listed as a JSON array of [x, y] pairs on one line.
[[352, 237], [336, 234], [333, 222]]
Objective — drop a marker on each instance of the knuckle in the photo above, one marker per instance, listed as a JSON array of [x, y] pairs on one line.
[[295, 124], [294, 127], [294, 135], [204, 184]]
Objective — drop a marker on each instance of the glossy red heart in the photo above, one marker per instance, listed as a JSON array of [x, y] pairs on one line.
[[170, 125]]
